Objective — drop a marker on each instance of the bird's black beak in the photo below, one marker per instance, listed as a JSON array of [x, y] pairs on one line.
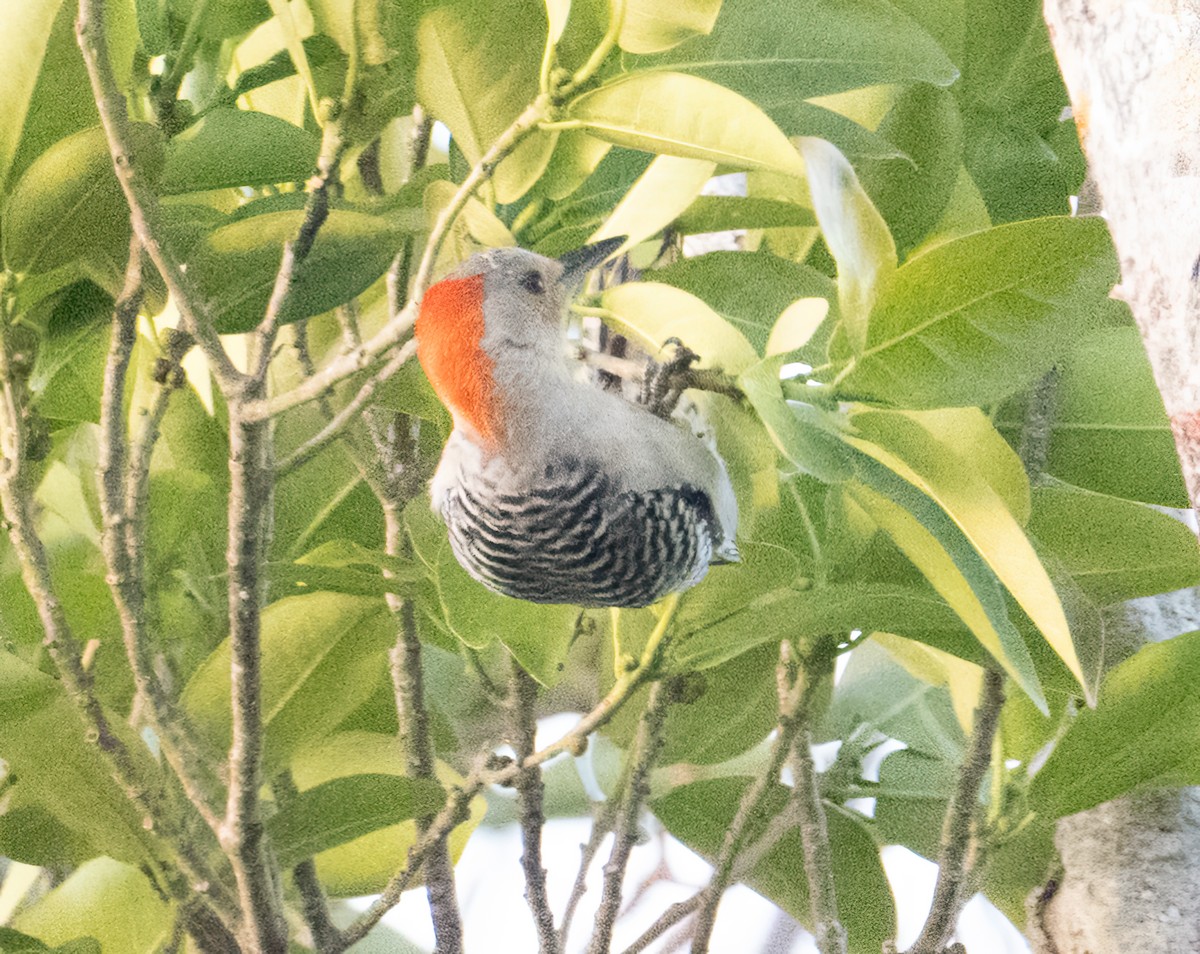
[[578, 263]]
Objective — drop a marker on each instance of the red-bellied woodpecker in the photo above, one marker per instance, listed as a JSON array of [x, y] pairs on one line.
[[554, 490]]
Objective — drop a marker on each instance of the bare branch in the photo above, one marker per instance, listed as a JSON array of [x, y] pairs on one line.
[[602, 825], [959, 825], [409, 684], [243, 835], [523, 727], [456, 811], [827, 927], [143, 204], [295, 252], [667, 920], [340, 421], [645, 751], [795, 697], [313, 903], [122, 509]]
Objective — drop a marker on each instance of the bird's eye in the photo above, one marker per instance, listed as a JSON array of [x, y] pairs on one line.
[[532, 282]]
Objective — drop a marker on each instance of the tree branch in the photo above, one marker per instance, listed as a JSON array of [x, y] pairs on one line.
[[143, 204], [828, 931], [645, 751], [492, 770], [122, 510], [959, 825], [243, 835], [602, 825], [313, 903], [340, 421], [528, 783]]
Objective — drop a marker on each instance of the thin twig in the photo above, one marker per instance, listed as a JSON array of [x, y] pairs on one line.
[[313, 903], [827, 929], [960, 823], [456, 810], [603, 824], [338, 423], [491, 770], [667, 920], [645, 751], [123, 540], [295, 252], [409, 684], [143, 204], [522, 730]]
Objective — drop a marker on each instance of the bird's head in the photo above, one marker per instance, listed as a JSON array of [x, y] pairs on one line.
[[500, 311]]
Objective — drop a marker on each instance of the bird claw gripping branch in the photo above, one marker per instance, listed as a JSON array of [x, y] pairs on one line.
[[554, 490]]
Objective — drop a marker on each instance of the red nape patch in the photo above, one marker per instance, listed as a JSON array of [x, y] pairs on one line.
[[449, 331]]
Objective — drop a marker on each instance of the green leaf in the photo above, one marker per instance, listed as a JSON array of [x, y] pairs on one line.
[[680, 115], [61, 102], [1109, 432], [236, 147], [948, 561], [342, 809], [478, 69], [773, 53], [911, 190], [856, 234], [721, 213], [69, 205], [876, 693], [59, 771], [945, 473], [667, 187], [655, 313], [651, 27], [911, 799], [226, 18], [24, 33], [1115, 549], [537, 635], [722, 278], [805, 435], [978, 318], [234, 267], [578, 212], [699, 815], [69, 366], [323, 655], [1142, 732], [839, 608], [364, 865], [114, 903], [737, 709], [342, 553]]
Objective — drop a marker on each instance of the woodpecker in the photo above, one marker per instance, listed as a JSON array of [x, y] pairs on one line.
[[553, 490]]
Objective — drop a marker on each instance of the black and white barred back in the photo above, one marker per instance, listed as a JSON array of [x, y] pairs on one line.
[[571, 537]]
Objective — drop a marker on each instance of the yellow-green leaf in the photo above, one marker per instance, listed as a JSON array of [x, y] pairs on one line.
[[855, 232], [681, 115]]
